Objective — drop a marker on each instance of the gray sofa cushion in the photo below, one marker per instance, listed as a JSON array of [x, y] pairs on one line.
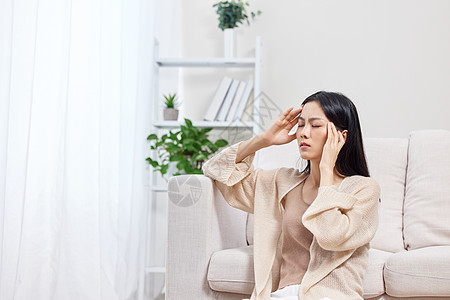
[[427, 198], [231, 271], [422, 272], [390, 173]]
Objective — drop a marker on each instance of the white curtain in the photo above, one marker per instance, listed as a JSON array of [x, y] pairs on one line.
[[74, 111]]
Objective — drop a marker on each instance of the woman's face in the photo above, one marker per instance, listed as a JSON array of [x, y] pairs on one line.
[[312, 131]]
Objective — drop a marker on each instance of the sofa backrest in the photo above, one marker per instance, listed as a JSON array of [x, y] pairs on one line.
[[427, 199], [387, 162]]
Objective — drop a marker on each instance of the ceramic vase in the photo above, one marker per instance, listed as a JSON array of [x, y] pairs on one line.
[[229, 43]]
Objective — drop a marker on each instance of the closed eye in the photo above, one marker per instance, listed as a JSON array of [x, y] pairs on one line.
[[314, 126]]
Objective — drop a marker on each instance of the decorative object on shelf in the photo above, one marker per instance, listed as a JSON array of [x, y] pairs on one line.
[[188, 148], [231, 14], [219, 96], [229, 43], [170, 111], [229, 102]]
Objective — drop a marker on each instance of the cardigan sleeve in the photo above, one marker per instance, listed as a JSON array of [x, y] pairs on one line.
[[236, 181], [345, 218]]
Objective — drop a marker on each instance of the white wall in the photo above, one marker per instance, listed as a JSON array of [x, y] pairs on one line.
[[391, 57]]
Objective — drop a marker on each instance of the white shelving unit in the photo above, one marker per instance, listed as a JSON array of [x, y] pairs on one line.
[[206, 62]]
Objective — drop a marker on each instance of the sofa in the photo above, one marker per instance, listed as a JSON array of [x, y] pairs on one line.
[[210, 249]]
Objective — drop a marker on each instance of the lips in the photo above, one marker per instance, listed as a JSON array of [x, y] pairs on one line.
[[303, 144]]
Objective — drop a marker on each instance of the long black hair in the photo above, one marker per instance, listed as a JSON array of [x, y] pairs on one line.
[[342, 112]]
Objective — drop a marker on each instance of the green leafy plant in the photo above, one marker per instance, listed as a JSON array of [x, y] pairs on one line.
[[188, 147], [170, 100], [233, 12]]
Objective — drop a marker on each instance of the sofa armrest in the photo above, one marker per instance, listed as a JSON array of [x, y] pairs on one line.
[[200, 222]]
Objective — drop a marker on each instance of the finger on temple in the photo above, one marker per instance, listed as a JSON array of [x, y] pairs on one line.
[[286, 113], [335, 132], [295, 112], [295, 118], [329, 131]]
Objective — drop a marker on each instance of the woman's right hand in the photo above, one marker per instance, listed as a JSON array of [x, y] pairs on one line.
[[278, 133]]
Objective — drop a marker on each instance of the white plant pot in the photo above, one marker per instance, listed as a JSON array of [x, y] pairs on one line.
[[229, 43]]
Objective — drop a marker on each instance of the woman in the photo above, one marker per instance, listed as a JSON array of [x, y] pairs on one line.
[[312, 228]]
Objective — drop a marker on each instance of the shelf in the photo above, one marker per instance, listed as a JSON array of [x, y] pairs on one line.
[[248, 62], [203, 124], [155, 269]]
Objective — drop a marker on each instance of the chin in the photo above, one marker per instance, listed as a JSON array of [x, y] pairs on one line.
[[307, 156]]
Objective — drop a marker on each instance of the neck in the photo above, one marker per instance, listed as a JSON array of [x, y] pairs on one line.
[[314, 173]]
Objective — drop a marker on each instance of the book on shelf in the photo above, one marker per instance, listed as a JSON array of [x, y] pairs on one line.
[[243, 100], [236, 100], [218, 99], [228, 101]]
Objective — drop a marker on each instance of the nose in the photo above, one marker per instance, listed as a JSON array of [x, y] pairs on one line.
[[303, 132]]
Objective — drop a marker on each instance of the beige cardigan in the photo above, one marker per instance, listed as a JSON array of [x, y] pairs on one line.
[[342, 219]]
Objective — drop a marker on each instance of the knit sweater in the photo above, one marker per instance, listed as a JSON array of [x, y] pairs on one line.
[[343, 219]]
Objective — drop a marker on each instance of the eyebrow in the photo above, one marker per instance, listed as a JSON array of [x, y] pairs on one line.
[[312, 119]]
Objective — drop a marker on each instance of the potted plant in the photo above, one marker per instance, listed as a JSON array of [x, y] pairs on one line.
[[232, 13], [187, 148], [171, 110]]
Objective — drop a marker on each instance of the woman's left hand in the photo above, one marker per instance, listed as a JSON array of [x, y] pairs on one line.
[[335, 142]]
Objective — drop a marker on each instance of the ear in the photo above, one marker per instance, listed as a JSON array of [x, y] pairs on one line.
[[344, 134]]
